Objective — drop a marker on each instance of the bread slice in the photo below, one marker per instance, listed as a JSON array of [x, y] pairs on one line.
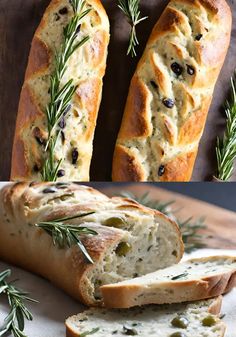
[[192, 280], [200, 318], [132, 240]]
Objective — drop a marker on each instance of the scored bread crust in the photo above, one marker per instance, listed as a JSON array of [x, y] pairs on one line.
[[86, 67], [129, 295], [156, 143], [213, 307], [24, 204]]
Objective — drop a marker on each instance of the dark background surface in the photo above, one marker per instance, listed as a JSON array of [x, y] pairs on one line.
[[220, 194], [18, 21]]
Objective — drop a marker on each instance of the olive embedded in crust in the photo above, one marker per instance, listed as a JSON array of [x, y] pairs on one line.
[[49, 190], [63, 11], [178, 334], [209, 321], [153, 84], [180, 322], [116, 222], [123, 248], [198, 37], [75, 156], [161, 170], [39, 136], [168, 102], [190, 70], [61, 173], [176, 68], [78, 29]]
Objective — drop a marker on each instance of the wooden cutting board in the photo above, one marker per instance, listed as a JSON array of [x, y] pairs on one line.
[[221, 223], [18, 21]]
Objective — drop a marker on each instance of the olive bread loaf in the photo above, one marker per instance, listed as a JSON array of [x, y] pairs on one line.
[[61, 94], [171, 92], [132, 240]]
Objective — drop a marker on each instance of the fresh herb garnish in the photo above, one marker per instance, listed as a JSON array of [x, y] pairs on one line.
[[189, 228], [86, 333], [15, 321], [61, 95], [226, 147], [66, 235], [177, 277], [132, 12], [145, 200]]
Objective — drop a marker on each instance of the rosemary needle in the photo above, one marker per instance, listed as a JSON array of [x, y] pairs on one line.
[[15, 321], [226, 147], [66, 235], [132, 12]]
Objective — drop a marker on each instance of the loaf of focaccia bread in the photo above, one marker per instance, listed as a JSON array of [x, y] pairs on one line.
[[132, 240], [183, 320], [171, 92], [86, 67]]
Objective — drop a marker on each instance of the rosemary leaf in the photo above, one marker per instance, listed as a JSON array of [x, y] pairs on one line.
[[86, 333], [179, 276], [14, 323], [67, 235], [151, 203], [189, 228], [226, 147], [132, 12]]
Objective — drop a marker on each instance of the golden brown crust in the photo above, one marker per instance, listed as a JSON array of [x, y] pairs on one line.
[[129, 163], [136, 113], [180, 169], [39, 58], [28, 154], [71, 333], [195, 35]]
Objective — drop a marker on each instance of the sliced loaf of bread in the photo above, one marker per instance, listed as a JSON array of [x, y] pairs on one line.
[[180, 320], [132, 240], [192, 280]]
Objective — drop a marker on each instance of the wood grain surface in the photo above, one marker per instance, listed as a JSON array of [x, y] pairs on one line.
[[18, 21], [221, 223]]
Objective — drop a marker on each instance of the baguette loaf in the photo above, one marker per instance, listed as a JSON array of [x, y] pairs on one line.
[[192, 280], [150, 321], [86, 67], [132, 240], [171, 92]]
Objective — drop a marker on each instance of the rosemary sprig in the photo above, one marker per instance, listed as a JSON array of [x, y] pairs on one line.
[[15, 321], [226, 147], [61, 95], [86, 333], [132, 12], [66, 235], [189, 228], [145, 200]]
